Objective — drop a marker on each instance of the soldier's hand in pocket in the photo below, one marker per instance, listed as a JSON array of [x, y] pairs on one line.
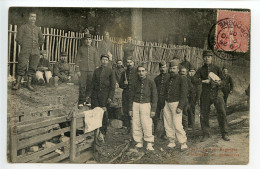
[[152, 114], [131, 113], [178, 110]]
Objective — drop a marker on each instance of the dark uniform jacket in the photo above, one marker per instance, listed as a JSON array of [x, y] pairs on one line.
[[210, 89], [103, 83], [176, 90], [131, 75], [227, 83], [87, 58], [29, 37], [144, 91], [160, 82], [44, 63], [118, 73]]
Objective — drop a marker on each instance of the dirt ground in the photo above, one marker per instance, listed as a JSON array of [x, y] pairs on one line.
[[213, 151]]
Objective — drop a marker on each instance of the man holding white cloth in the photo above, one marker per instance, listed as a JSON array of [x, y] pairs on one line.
[[176, 91], [143, 102]]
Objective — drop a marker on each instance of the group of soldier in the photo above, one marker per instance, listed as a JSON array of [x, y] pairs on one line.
[[172, 95]]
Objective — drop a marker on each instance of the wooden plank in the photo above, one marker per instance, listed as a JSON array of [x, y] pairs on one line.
[[47, 43], [38, 119], [49, 122], [15, 46], [87, 145], [53, 44], [73, 48], [59, 158], [41, 138], [59, 46], [9, 46], [35, 132], [50, 155], [84, 135], [69, 46], [73, 137], [50, 45], [13, 135], [41, 153]]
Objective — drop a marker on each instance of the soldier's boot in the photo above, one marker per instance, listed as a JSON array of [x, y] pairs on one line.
[[29, 84], [17, 83]]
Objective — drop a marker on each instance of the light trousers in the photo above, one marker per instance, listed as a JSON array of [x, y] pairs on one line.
[[142, 122], [39, 75], [173, 123]]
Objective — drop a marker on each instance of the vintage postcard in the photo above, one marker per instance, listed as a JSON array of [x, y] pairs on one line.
[[128, 85]]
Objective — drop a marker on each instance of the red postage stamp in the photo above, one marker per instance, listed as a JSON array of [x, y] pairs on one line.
[[232, 31]]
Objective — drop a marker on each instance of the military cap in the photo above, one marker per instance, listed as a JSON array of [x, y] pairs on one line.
[[87, 35], [104, 55], [224, 67], [175, 57], [130, 58], [63, 54], [192, 68], [43, 52], [207, 53], [174, 63], [162, 63], [144, 65], [182, 67]]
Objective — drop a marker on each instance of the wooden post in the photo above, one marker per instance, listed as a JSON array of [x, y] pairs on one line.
[[15, 46], [57, 45], [73, 48], [9, 46], [50, 49], [69, 52], [13, 135], [53, 43], [73, 128], [47, 43]]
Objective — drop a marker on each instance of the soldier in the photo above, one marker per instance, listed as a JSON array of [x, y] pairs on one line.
[[61, 70], [194, 97], [211, 93], [30, 38], [176, 92], [128, 49], [106, 47], [227, 84], [196, 83], [191, 92], [119, 69], [127, 79], [44, 68], [86, 62], [103, 89], [186, 63], [142, 105], [160, 82]]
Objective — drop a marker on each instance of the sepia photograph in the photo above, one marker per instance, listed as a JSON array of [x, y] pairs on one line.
[[103, 85]]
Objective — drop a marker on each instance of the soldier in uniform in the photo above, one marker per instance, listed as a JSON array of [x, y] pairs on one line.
[[86, 62], [211, 93], [228, 84], [119, 69], [127, 79], [30, 38], [103, 89], [106, 47], [176, 92], [160, 82], [142, 106], [196, 83], [188, 118], [128, 49], [61, 69], [43, 69], [186, 63]]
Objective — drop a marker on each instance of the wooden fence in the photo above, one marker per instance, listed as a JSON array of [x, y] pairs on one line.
[[151, 53], [42, 131]]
